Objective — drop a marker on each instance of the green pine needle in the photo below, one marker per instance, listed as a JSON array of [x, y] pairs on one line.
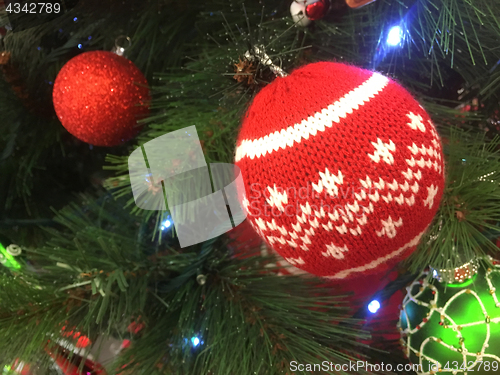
[[467, 220]]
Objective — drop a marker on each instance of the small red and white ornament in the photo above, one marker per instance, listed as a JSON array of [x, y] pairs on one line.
[[305, 11], [72, 363], [343, 169]]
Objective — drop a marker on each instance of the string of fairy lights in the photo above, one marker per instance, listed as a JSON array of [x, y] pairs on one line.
[[447, 322]]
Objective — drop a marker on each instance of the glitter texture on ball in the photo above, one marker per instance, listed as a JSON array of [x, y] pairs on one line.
[[99, 96]]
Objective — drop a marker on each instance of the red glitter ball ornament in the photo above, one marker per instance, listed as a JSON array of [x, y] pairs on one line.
[[99, 96]]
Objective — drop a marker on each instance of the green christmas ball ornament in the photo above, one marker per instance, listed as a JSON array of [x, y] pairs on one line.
[[453, 326]]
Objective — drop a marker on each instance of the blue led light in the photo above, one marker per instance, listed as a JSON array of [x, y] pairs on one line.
[[75, 19], [80, 46], [195, 341], [166, 224], [395, 36], [373, 306]]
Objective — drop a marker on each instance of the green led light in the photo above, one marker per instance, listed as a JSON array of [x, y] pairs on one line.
[[8, 260], [461, 285]]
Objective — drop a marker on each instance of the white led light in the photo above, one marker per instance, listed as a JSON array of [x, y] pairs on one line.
[[195, 341], [395, 36], [374, 306]]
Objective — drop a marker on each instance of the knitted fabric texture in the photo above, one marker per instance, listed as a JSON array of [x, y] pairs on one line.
[[343, 169]]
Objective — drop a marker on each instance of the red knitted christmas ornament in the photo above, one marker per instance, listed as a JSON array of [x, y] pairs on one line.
[[343, 169]]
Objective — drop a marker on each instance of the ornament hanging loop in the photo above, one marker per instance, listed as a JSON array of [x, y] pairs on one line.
[[201, 279], [457, 274], [258, 53], [122, 43], [14, 250]]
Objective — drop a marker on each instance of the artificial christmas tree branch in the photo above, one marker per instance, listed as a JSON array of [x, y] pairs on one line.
[[107, 283], [107, 264]]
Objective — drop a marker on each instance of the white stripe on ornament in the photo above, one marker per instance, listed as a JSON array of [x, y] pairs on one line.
[[318, 122], [379, 261]]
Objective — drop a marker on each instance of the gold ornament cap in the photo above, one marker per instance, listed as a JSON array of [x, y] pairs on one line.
[[456, 274]]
